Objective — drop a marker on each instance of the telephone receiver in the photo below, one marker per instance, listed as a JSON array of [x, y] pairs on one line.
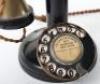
[[15, 14], [62, 52]]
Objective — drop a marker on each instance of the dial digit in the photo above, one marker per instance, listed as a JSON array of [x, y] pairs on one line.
[[51, 67], [44, 59], [61, 29], [73, 30], [45, 39], [69, 29], [61, 72], [80, 33], [53, 32], [43, 48], [71, 73]]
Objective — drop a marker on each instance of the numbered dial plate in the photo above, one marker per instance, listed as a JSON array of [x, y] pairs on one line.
[[66, 49], [59, 51]]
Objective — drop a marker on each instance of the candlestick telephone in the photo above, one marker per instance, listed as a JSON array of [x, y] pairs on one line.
[[62, 52]]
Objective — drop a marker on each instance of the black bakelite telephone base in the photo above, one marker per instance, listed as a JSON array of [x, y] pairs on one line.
[[30, 64]]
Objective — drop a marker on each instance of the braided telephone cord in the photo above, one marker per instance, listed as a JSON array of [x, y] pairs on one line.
[[43, 17], [40, 18]]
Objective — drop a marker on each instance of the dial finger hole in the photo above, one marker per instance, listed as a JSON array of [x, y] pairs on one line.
[[80, 33], [46, 39], [51, 67], [43, 48], [53, 32], [61, 72], [44, 59], [71, 73], [61, 29]]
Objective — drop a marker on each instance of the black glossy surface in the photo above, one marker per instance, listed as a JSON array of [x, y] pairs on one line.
[[56, 11]]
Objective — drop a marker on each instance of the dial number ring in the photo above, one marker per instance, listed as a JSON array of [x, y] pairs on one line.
[[53, 67]]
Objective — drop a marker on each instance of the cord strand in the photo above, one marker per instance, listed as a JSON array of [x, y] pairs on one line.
[[43, 17], [13, 40]]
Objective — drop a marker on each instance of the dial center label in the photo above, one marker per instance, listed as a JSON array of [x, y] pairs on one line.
[[67, 48]]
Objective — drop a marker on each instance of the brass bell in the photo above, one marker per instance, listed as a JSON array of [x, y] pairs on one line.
[[15, 14]]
